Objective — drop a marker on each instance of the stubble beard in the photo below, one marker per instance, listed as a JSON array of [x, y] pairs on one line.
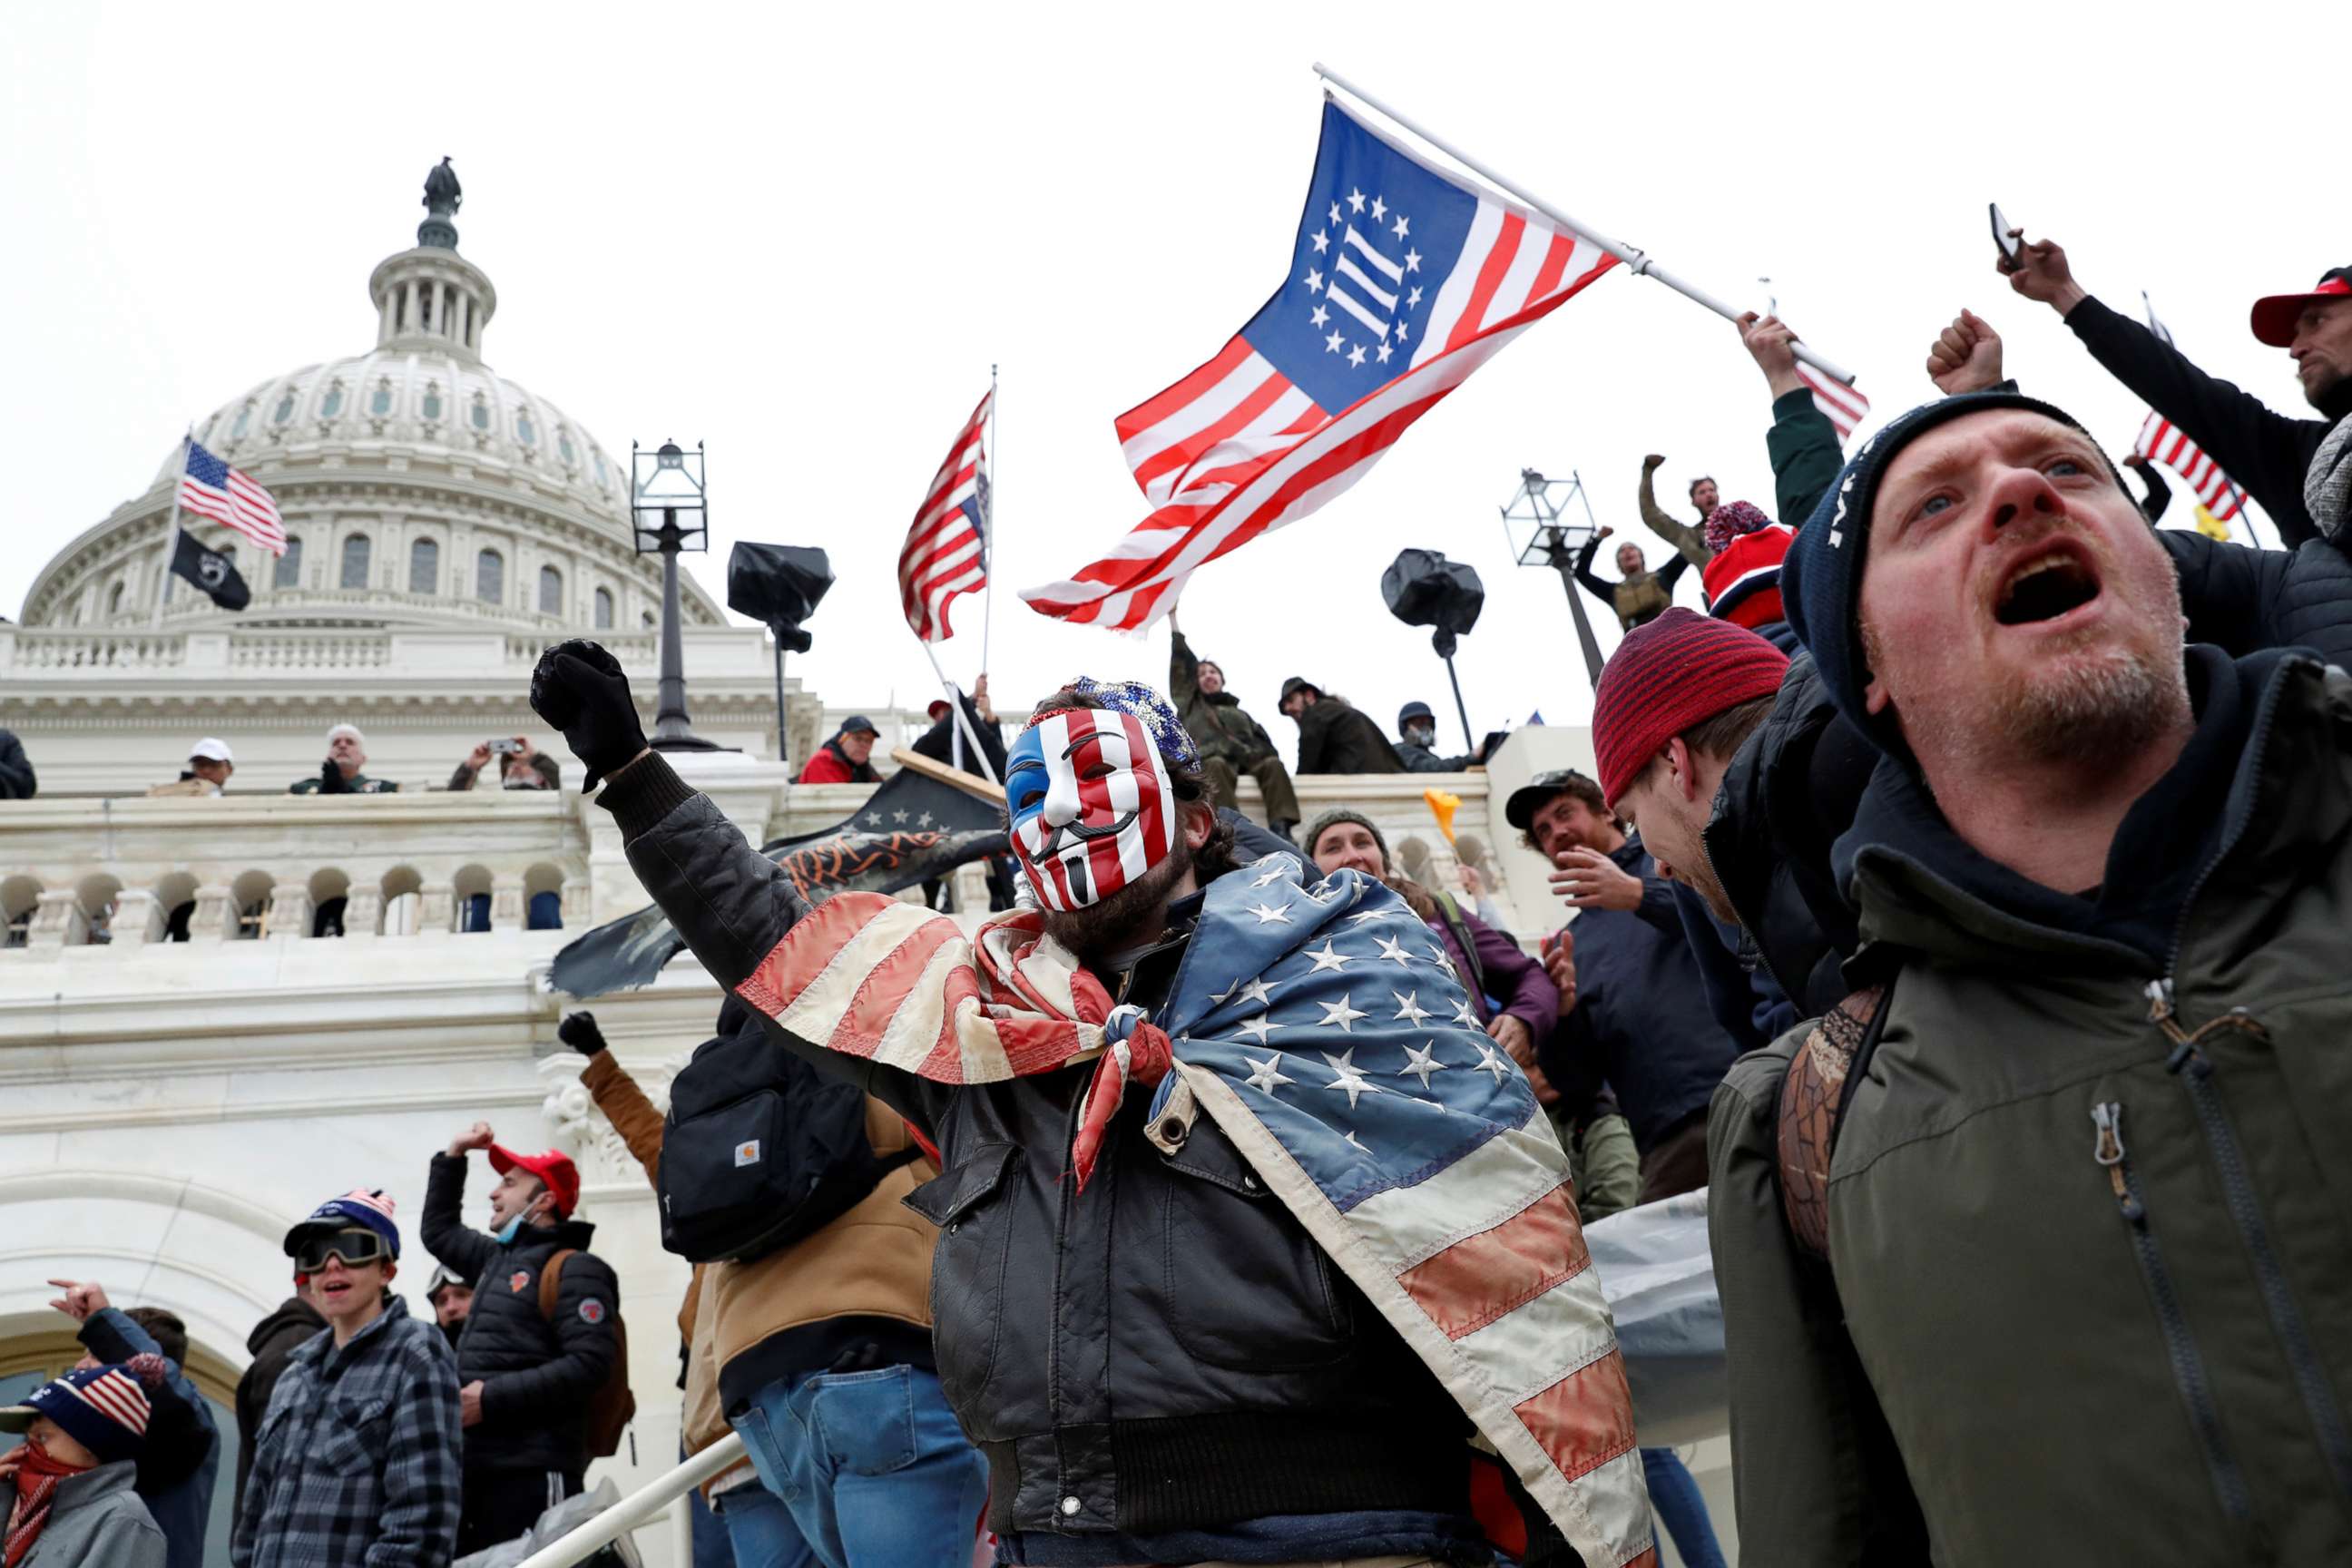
[[1128, 919]]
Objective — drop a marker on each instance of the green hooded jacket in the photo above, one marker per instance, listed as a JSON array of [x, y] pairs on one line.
[[2088, 1293], [1217, 724]]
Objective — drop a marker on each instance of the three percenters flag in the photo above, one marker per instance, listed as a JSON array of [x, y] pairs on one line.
[[1404, 280]]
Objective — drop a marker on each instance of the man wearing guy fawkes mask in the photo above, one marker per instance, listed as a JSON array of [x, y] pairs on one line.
[[1159, 1360]]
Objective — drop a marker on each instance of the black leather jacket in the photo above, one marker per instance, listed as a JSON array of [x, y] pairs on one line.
[[1166, 1352]]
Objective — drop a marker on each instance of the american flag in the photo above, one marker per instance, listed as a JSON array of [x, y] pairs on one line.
[[210, 488], [1844, 404], [1320, 1026], [1402, 281], [2161, 441], [946, 552]]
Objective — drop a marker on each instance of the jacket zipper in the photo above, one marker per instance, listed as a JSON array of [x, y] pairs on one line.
[[2194, 1068], [2180, 1345]]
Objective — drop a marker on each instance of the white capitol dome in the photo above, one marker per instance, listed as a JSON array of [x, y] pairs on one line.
[[419, 487]]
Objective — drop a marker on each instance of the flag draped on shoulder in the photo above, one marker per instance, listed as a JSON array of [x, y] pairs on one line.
[[210, 488], [947, 549], [1318, 1024], [1404, 280]]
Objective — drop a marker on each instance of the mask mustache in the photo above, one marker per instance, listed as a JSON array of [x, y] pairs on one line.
[[1059, 839]]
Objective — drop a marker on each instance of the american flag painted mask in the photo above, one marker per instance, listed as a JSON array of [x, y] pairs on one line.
[[1091, 805]]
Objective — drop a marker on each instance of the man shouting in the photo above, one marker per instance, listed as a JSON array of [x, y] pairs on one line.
[[1247, 1228]]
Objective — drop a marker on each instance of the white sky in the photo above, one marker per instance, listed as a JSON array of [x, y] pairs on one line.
[[803, 236]]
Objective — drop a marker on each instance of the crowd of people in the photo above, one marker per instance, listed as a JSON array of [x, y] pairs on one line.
[[1968, 933]]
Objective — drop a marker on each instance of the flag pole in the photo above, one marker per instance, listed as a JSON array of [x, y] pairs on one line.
[[955, 710], [988, 530], [170, 533], [1635, 259]]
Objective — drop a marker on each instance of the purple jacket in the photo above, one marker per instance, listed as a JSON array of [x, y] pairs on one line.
[[1527, 991]]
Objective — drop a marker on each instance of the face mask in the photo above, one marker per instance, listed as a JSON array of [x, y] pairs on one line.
[[1092, 808], [504, 1236], [1420, 735]]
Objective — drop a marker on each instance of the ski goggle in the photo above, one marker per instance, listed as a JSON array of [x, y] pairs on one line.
[[354, 1246]]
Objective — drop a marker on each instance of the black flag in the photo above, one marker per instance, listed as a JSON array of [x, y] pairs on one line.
[[210, 570], [911, 828]]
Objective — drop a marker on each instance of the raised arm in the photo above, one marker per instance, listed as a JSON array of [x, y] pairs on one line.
[[1593, 585], [1688, 540], [467, 1252]]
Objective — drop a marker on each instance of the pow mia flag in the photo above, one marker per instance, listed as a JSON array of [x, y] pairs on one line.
[[212, 571]]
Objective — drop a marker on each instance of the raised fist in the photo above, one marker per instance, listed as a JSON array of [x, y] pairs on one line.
[[579, 1031], [477, 1136], [1650, 464], [578, 688], [1772, 345], [1966, 357]]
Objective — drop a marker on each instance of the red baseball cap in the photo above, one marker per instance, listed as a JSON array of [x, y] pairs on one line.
[[553, 1167], [2275, 315]]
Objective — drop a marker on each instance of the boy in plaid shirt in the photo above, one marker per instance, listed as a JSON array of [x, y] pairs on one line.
[[358, 1462]]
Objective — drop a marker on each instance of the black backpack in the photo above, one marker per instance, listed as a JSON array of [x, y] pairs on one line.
[[759, 1149]]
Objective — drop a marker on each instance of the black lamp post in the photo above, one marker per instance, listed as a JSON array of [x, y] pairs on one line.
[[1554, 544], [668, 513]]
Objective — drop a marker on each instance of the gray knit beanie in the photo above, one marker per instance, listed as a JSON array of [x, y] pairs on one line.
[[1332, 818]]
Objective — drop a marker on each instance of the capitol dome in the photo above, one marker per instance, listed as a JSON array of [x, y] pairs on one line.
[[419, 488]]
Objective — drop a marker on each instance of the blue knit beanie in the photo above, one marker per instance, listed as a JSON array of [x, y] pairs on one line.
[[1821, 581]]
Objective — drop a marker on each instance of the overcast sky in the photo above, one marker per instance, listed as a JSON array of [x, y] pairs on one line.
[[802, 235]]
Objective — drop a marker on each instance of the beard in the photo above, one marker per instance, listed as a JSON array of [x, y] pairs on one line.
[[1128, 919]]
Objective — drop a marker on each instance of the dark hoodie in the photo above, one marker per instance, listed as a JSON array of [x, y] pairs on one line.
[[273, 1339]]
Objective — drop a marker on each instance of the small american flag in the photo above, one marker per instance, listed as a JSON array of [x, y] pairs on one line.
[[1402, 281], [210, 488], [946, 552], [1844, 404], [2161, 441]]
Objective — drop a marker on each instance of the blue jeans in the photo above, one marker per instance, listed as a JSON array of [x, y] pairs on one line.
[[1675, 1497], [712, 1549], [871, 1468]]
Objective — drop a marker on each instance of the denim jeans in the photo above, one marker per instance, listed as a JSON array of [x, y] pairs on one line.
[[760, 1529], [1675, 1497], [871, 1468]]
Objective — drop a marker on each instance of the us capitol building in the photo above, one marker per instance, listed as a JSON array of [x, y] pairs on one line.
[[169, 1106]]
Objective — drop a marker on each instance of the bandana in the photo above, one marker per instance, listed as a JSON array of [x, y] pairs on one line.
[[1091, 804], [1729, 521], [1149, 709], [37, 1479]]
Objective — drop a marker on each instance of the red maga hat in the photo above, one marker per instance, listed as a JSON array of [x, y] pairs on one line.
[[2275, 315], [553, 1167]]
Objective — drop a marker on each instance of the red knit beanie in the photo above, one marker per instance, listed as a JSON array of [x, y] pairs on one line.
[[1681, 669]]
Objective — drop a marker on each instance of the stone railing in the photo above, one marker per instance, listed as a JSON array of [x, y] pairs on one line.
[[77, 873], [74, 650], [208, 653]]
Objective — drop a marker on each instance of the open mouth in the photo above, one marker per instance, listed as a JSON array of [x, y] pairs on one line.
[[2044, 587], [335, 1290]]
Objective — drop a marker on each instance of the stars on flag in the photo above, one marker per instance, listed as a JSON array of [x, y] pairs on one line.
[[1346, 1080], [1270, 914], [1259, 992], [1355, 276], [1330, 958], [1267, 1076], [1409, 1006], [1343, 1013], [1258, 1027], [1272, 874], [1490, 1063], [1422, 1063], [1390, 948], [1462, 1015]]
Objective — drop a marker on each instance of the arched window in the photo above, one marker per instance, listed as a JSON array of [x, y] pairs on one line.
[[563, 446], [244, 418], [114, 600], [289, 566], [433, 400], [551, 591], [425, 567], [604, 609], [333, 404], [381, 404], [284, 408], [481, 413], [525, 431], [355, 562], [490, 577], [596, 455]]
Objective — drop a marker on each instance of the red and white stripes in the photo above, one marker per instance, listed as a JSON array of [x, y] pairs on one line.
[[2161, 441], [946, 552], [1844, 404]]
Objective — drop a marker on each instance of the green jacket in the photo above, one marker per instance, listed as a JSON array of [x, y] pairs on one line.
[[2089, 1215], [1806, 456], [1218, 726], [1690, 542]]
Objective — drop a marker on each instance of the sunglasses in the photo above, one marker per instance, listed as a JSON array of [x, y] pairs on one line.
[[353, 1246]]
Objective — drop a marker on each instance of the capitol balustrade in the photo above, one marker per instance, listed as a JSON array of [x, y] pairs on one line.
[[202, 654]]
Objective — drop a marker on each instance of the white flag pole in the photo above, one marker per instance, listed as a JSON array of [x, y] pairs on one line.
[[170, 533], [988, 527], [1635, 259], [963, 721]]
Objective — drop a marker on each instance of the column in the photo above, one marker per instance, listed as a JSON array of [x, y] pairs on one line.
[[441, 309], [407, 305], [362, 911], [57, 921], [288, 918], [438, 914], [465, 307], [507, 901], [216, 914], [138, 918]]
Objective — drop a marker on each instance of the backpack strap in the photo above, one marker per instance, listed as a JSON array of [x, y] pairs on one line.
[[1835, 1055], [550, 1281], [1461, 930]]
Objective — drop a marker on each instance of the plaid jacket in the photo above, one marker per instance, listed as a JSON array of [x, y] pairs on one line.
[[358, 1462]]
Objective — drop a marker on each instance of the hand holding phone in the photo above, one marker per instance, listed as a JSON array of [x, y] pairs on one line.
[[2010, 241]]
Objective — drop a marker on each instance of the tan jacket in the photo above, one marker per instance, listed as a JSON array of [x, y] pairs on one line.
[[633, 1116]]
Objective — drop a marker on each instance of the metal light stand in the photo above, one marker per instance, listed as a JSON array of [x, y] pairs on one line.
[[1554, 544], [668, 483]]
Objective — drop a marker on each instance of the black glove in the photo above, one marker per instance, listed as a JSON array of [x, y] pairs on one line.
[[579, 1031], [580, 690], [331, 779]]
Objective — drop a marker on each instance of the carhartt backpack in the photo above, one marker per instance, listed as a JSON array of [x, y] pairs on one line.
[[1814, 1099], [759, 1149], [612, 1407]]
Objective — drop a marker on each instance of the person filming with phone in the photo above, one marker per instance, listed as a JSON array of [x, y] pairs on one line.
[[521, 765]]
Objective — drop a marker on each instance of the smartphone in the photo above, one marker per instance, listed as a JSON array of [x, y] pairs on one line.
[[509, 747], [2009, 246]]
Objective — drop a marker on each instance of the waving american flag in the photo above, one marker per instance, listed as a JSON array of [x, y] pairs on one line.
[[1404, 280], [210, 488], [946, 552]]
